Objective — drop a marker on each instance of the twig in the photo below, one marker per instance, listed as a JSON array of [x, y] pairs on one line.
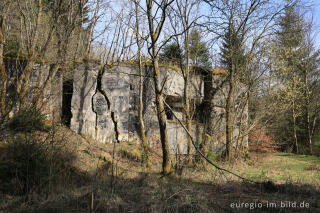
[[177, 193], [92, 202]]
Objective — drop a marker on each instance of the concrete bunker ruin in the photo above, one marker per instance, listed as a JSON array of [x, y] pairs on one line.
[[102, 102], [105, 102]]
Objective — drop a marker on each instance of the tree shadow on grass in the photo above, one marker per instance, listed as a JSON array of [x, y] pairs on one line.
[[148, 192], [41, 178]]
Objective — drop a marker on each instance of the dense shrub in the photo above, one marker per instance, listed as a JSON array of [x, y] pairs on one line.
[[259, 141], [28, 120], [30, 164]]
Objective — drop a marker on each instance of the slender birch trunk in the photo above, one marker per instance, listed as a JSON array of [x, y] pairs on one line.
[[154, 34], [229, 111], [187, 97], [294, 127], [140, 110]]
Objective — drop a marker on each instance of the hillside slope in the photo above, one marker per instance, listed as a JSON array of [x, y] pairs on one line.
[[86, 176]]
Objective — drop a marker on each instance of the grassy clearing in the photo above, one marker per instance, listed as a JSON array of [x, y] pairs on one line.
[[121, 184], [283, 167]]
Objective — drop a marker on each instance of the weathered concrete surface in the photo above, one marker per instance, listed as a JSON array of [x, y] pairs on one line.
[[116, 84], [83, 119], [174, 83], [105, 103], [239, 116], [104, 125], [52, 102], [102, 112], [178, 137]]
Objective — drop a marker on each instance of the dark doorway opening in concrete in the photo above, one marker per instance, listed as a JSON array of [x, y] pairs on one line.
[[169, 113], [66, 102]]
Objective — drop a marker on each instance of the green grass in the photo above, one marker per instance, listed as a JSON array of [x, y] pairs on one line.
[[213, 156], [284, 167], [256, 175]]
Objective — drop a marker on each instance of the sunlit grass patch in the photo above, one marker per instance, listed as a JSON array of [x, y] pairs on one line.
[[284, 167], [307, 158]]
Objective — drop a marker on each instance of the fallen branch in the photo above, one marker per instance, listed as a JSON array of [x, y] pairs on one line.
[[177, 193]]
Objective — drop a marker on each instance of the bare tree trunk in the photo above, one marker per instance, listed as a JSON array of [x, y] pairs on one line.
[[294, 127], [312, 128], [208, 118], [309, 134], [154, 34], [308, 131], [186, 95], [3, 72], [166, 164], [229, 129], [187, 111], [209, 131], [240, 136], [184, 11], [140, 112]]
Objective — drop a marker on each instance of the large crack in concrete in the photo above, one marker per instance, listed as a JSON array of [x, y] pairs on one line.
[[95, 112], [115, 123], [113, 116]]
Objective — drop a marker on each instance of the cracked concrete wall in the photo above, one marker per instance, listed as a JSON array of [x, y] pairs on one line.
[[96, 111], [116, 84], [83, 119], [100, 102], [105, 103]]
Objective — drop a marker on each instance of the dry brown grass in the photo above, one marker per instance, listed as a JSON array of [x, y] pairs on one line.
[[313, 167], [122, 184]]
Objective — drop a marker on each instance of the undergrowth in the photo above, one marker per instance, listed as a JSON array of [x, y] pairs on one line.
[[60, 171], [28, 120]]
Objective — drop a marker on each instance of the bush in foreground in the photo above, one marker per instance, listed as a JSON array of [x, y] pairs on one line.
[[30, 164], [28, 120]]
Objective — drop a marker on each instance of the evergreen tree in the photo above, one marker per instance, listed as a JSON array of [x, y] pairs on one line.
[[232, 53], [171, 53], [233, 59], [295, 66], [199, 53]]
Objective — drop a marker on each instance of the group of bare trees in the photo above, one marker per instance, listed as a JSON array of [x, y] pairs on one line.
[[239, 34], [242, 31], [37, 31]]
